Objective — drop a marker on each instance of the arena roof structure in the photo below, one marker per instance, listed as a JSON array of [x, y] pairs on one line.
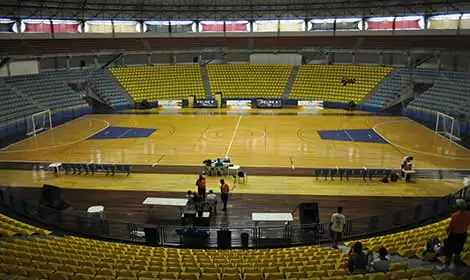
[[223, 9]]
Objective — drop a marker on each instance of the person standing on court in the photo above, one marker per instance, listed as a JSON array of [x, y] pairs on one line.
[[457, 233], [337, 223], [201, 186], [224, 191]]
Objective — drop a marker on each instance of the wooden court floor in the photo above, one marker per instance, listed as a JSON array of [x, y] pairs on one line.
[[270, 185], [249, 140]]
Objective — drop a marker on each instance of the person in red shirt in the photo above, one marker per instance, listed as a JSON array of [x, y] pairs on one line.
[[457, 231], [224, 191], [201, 186]]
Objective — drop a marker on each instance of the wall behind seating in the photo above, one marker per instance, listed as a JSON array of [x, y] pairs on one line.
[[269, 58], [22, 67]]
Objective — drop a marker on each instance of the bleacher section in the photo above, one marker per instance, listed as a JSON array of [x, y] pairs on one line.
[[161, 82], [450, 93], [10, 227], [389, 89], [408, 244], [14, 106], [50, 89], [249, 80], [107, 86], [75, 258], [324, 82]]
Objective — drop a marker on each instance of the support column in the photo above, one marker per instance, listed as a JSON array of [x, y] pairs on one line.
[[173, 59], [306, 24], [439, 62], [353, 58], [408, 59], [381, 59], [250, 25], [149, 59], [95, 59], [67, 63]]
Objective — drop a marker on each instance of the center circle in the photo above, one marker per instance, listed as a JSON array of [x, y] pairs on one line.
[[220, 134]]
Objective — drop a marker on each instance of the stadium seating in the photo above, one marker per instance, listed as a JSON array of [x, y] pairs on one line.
[[107, 86], [450, 93], [324, 82], [76, 258], [50, 89], [249, 80], [13, 105], [161, 82], [388, 90], [10, 227], [408, 244]]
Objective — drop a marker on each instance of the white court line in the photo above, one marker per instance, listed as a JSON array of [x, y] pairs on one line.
[[409, 149], [125, 132], [233, 136], [60, 145], [348, 135]]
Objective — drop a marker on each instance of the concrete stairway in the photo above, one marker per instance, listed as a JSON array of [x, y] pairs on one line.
[[290, 81], [205, 80]]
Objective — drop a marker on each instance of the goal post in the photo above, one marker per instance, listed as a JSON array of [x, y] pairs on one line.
[[447, 126], [38, 122]]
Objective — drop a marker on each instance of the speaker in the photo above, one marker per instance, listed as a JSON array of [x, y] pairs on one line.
[[151, 236], [195, 59], [52, 197], [224, 239], [309, 213], [82, 63]]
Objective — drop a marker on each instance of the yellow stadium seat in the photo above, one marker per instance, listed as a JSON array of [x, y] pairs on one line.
[[80, 276], [377, 276], [398, 266], [292, 275], [356, 277], [337, 272], [422, 278], [231, 276], [210, 276], [106, 272], [399, 274], [445, 276], [169, 275], [420, 271], [274, 276]]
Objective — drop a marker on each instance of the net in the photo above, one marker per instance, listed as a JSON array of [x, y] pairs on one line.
[[39, 122], [448, 126]]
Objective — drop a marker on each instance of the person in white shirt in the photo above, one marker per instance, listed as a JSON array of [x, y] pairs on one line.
[[382, 263], [211, 200], [337, 223]]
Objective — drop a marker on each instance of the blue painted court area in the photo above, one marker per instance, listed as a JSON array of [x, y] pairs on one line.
[[352, 135], [115, 132]]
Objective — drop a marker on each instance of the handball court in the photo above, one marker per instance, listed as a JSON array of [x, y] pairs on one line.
[[267, 139]]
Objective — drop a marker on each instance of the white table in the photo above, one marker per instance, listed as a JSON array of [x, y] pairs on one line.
[[162, 201], [55, 166], [233, 170], [96, 211], [271, 217], [152, 202]]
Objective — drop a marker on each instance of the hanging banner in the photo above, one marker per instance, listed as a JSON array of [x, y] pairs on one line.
[[310, 105], [238, 104], [205, 103], [170, 104], [269, 103]]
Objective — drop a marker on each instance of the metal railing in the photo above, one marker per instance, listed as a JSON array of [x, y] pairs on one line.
[[224, 237]]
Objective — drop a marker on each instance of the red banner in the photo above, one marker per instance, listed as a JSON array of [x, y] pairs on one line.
[[388, 24]]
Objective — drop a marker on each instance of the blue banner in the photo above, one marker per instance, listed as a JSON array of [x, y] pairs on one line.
[[269, 103], [205, 103]]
